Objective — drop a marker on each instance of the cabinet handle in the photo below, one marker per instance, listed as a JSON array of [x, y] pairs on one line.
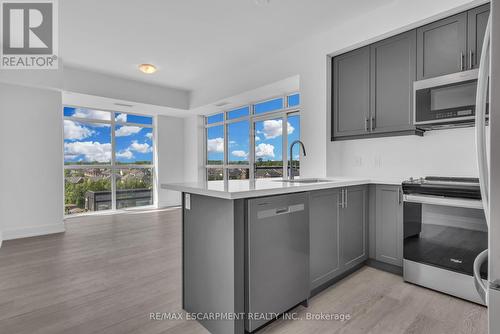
[[342, 198], [372, 123], [471, 58], [345, 190], [366, 124], [462, 61]]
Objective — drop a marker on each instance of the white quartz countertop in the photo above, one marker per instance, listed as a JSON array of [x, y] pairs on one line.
[[236, 189]]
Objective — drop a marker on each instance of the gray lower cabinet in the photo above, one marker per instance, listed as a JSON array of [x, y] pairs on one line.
[[353, 227], [442, 47], [351, 93], [338, 232], [324, 236], [388, 224], [393, 70]]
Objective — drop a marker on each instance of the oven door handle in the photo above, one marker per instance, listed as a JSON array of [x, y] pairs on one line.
[[445, 201]]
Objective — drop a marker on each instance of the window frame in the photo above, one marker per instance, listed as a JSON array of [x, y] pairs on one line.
[[113, 166], [251, 118]]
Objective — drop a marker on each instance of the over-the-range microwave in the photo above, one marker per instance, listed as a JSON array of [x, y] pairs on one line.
[[445, 101]]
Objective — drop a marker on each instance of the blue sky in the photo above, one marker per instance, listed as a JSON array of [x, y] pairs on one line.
[[268, 139], [91, 142]]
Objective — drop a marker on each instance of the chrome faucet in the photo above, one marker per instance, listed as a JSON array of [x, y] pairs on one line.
[[290, 174]]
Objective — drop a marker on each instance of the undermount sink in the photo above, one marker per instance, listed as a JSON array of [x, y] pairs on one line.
[[311, 180]]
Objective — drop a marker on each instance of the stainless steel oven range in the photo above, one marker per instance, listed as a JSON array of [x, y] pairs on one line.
[[444, 230]]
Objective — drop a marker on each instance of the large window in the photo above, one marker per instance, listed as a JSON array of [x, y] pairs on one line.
[[108, 160], [248, 142]]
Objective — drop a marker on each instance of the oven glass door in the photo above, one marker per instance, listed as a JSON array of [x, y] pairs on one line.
[[445, 237]]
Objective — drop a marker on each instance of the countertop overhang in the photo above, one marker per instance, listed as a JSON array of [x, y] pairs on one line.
[[237, 189]]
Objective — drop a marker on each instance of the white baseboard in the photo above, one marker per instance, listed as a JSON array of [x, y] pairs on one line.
[[32, 231]]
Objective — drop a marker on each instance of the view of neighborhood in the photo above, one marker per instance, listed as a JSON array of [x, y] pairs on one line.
[[268, 152], [93, 161], [90, 189]]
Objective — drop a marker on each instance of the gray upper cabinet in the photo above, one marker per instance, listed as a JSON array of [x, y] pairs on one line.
[[351, 93], [372, 87], [393, 70], [477, 20], [353, 227], [324, 236], [442, 47], [389, 225]]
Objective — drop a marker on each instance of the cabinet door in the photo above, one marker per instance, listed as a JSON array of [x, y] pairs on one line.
[[477, 19], [389, 225], [353, 227], [324, 236], [351, 93], [393, 68], [442, 47]]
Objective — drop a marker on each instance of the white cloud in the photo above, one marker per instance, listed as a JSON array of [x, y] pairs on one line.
[[257, 138], [93, 114], [92, 151], [74, 131], [126, 130], [215, 145], [264, 150], [273, 128], [121, 118], [127, 154], [239, 154], [141, 148], [149, 135]]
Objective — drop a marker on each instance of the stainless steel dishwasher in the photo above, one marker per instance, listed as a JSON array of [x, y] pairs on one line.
[[277, 256]]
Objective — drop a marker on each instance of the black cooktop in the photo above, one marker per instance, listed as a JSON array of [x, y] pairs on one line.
[[458, 187]]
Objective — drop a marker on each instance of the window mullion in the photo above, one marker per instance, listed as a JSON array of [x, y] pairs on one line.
[[284, 151], [113, 162], [225, 160], [251, 149]]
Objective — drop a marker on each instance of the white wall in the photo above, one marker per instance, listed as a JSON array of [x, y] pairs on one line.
[[170, 157], [81, 81], [99, 84], [441, 153], [31, 173], [309, 60], [193, 148]]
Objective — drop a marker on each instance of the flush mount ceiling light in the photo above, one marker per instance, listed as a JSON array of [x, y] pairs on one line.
[[147, 68], [262, 2]]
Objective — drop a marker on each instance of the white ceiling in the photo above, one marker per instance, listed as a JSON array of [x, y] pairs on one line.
[[190, 40]]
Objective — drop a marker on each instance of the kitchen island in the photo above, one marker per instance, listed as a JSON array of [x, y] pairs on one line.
[[247, 249]]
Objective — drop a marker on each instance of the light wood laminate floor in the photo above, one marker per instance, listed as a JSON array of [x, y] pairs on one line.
[[107, 273]]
